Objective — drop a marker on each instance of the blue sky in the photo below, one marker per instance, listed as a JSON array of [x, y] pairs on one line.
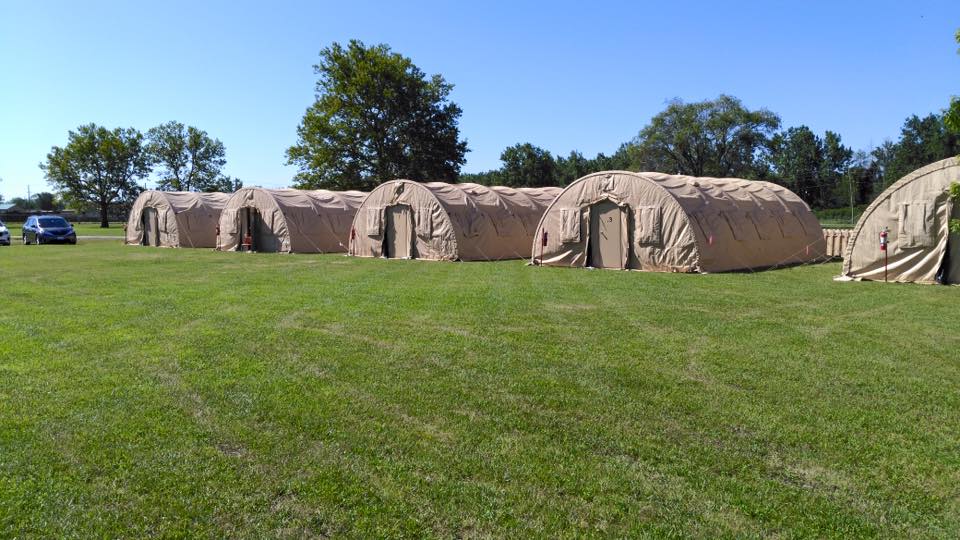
[[562, 75]]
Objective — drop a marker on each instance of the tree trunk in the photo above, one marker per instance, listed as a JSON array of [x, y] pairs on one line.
[[104, 224]]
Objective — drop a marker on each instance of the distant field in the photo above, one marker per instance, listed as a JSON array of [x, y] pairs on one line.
[[185, 393], [827, 224], [83, 229]]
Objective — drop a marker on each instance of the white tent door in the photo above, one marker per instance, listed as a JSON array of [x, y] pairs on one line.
[[606, 241], [398, 232], [151, 227]]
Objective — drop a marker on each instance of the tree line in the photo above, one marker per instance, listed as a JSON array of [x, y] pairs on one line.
[[377, 117], [104, 168], [723, 138]]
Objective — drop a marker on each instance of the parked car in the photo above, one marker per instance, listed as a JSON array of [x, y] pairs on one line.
[[4, 235], [48, 230]]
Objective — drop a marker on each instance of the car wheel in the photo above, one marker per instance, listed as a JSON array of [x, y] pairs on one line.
[[36, 240], [25, 240]]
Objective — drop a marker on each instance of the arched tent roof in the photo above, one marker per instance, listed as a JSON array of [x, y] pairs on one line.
[[298, 221], [454, 221], [916, 210], [683, 223], [184, 218]]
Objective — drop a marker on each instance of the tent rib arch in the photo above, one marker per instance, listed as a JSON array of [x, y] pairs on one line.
[[290, 220], [177, 219], [477, 222], [916, 211], [682, 223]]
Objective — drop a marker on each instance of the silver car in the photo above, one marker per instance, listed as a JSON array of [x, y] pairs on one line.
[[4, 235]]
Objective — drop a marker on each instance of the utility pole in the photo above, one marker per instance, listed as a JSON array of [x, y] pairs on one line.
[[851, 198]]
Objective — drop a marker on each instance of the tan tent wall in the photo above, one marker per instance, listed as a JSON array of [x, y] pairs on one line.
[[185, 219], [916, 209], [683, 224], [303, 221], [466, 222]]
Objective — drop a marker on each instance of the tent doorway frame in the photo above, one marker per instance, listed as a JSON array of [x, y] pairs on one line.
[[949, 272], [596, 212], [393, 214], [248, 225], [150, 224]]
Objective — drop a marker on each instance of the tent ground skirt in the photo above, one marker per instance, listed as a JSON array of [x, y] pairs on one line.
[[398, 237], [606, 241]]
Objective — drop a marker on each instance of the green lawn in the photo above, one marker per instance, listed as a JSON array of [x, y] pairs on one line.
[[175, 393], [841, 224], [83, 229], [93, 229]]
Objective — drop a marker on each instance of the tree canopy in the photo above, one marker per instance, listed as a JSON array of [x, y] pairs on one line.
[[922, 141], [723, 138], [376, 117], [190, 159], [811, 166], [952, 115], [717, 137], [98, 166], [528, 165]]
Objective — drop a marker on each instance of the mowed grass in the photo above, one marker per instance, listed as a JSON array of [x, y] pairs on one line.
[[93, 229], [175, 393]]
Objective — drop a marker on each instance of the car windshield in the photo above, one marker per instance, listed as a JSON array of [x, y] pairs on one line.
[[53, 222]]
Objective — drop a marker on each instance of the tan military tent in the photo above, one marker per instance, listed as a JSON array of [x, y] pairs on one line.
[[916, 211], [175, 219], [439, 221], [664, 223], [289, 220]]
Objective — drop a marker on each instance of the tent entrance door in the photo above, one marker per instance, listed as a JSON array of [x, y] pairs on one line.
[[150, 220], [247, 229], [398, 232], [605, 249], [255, 235], [951, 263]]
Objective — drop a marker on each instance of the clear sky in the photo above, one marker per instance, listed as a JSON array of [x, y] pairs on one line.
[[562, 75]]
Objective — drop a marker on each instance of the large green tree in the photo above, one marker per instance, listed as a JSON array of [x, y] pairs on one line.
[[572, 167], [47, 201], [528, 165], [190, 159], [922, 141], [717, 137], [377, 116], [952, 115], [98, 166], [811, 166]]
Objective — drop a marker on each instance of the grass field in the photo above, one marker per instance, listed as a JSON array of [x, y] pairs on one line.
[[83, 229], [157, 392], [826, 224]]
